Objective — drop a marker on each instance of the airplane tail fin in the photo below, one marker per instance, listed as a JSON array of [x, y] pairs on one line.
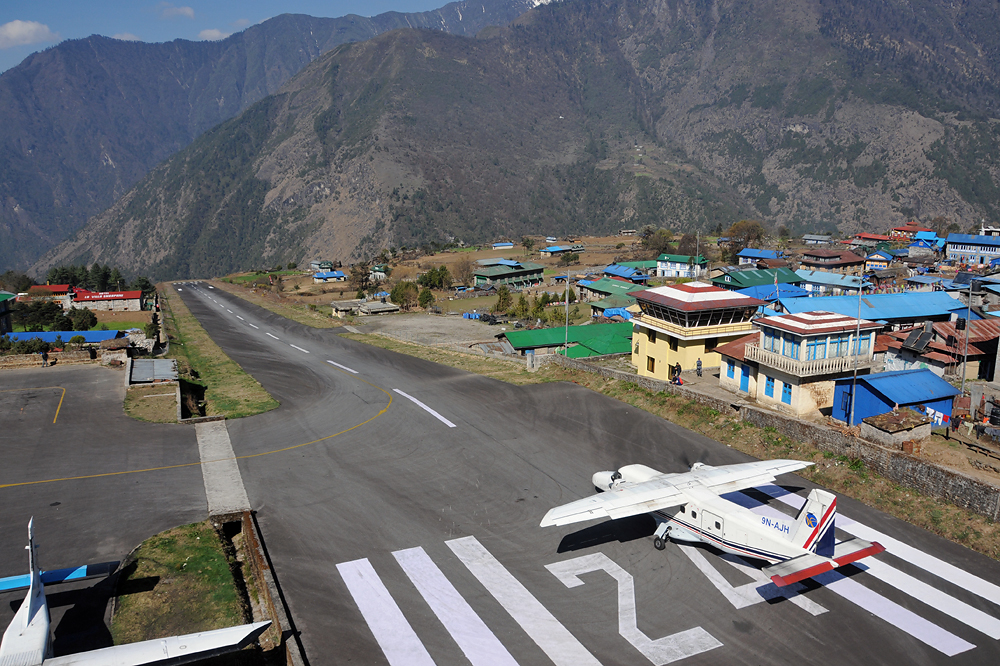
[[814, 526]]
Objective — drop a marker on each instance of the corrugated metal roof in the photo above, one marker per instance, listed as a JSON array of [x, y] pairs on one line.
[[909, 306], [744, 279], [907, 387], [752, 253], [970, 239], [980, 330], [89, 337], [828, 278], [551, 337], [766, 292], [607, 344], [145, 370], [625, 272]]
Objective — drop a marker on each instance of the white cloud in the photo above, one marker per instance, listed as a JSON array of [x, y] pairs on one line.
[[19, 33], [212, 35], [127, 37], [168, 10], [240, 23]]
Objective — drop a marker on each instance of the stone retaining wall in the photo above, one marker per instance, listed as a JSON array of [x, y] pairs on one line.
[[35, 360], [925, 477]]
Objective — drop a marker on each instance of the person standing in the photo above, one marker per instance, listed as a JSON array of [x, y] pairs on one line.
[[698, 367], [45, 359]]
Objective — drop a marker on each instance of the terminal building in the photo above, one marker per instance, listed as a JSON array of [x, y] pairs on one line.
[[679, 324]]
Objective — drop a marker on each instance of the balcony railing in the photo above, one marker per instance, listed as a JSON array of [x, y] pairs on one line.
[[797, 368], [693, 331]]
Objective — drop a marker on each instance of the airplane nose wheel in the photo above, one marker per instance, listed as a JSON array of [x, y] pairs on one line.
[[659, 543]]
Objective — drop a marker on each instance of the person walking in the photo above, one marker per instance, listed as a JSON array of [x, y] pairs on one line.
[[45, 359], [698, 367]]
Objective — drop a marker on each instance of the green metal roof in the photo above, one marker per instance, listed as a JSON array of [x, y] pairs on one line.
[[744, 279], [578, 351], [614, 301], [682, 258], [552, 337], [494, 271], [609, 286], [6, 295], [607, 344]]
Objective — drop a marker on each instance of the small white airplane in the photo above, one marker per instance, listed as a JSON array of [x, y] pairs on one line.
[[688, 507], [27, 640]]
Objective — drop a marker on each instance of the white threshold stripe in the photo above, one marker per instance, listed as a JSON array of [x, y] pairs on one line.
[[940, 568], [274, 336], [299, 348], [254, 326], [342, 367], [425, 408], [548, 633], [478, 643], [392, 632], [893, 613]]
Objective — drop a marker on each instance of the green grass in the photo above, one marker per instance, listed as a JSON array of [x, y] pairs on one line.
[[178, 583], [229, 391], [242, 279]]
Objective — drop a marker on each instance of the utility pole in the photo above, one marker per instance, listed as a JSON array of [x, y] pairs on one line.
[[968, 325], [857, 349]]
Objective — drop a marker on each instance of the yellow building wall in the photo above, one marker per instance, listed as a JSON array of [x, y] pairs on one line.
[[687, 353]]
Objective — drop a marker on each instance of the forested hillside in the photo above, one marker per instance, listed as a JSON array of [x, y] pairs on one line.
[[587, 116], [82, 122]]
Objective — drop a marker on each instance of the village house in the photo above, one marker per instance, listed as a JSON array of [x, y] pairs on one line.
[[681, 266], [792, 363], [824, 283], [743, 279], [972, 250], [322, 277], [116, 301], [877, 261], [680, 324], [514, 274], [750, 255], [908, 231], [837, 261]]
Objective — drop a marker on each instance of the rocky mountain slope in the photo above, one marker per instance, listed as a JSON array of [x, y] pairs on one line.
[[589, 115], [82, 122]]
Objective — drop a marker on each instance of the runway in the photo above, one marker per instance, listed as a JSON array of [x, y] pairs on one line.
[[400, 502]]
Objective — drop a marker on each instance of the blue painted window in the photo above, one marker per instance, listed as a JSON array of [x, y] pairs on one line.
[[865, 342], [790, 347], [816, 349], [786, 393], [731, 370], [769, 387]]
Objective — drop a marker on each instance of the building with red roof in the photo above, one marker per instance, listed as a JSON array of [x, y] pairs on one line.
[[117, 301], [680, 324], [907, 231], [792, 363]]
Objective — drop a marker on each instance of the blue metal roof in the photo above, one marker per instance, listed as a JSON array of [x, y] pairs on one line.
[[970, 239], [832, 279], [765, 292], [925, 279], [908, 306], [882, 254], [91, 337], [621, 312], [927, 235], [906, 387], [759, 254], [325, 275], [625, 272], [556, 248]]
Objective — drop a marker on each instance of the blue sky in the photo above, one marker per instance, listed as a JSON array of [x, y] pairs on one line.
[[29, 26]]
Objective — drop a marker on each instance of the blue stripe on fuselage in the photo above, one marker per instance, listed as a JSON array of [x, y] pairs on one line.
[[711, 538]]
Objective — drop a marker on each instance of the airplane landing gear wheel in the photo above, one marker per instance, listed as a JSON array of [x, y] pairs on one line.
[[659, 543]]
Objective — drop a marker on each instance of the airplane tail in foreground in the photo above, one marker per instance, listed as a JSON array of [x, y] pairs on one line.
[[814, 526]]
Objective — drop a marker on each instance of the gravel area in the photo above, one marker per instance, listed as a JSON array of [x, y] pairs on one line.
[[430, 329]]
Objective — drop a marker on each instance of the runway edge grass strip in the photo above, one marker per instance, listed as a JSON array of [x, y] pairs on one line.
[[229, 390]]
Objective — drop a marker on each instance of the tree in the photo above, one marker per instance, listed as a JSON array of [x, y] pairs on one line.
[[15, 282], [426, 298], [658, 242], [527, 243], [504, 299], [569, 258], [116, 281], [688, 245], [783, 233], [143, 284], [100, 276], [744, 234], [463, 271], [361, 277], [404, 294], [62, 323], [521, 309], [83, 319], [292, 265]]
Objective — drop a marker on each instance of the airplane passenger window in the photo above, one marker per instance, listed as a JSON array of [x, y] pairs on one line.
[[694, 514], [717, 525]]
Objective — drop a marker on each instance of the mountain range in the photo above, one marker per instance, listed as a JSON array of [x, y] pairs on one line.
[[587, 116], [82, 122]]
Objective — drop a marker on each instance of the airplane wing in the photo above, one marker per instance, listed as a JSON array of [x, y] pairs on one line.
[[172, 650], [667, 490]]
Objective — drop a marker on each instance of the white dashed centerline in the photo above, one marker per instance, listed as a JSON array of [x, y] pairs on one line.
[[255, 326], [240, 318], [342, 367], [229, 311], [274, 336], [426, 408], [299, 348]]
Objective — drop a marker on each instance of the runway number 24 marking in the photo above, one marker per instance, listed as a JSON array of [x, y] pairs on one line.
[[661, 651]]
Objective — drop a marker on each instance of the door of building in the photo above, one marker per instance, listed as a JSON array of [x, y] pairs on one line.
[[745, 378]]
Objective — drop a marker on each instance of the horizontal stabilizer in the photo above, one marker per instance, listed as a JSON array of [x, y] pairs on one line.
[[855, 549], [172, 650], [59, 576], [798, 568]]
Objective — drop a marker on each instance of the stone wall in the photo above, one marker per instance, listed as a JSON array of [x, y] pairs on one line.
[[55, 358], [925, 477]]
